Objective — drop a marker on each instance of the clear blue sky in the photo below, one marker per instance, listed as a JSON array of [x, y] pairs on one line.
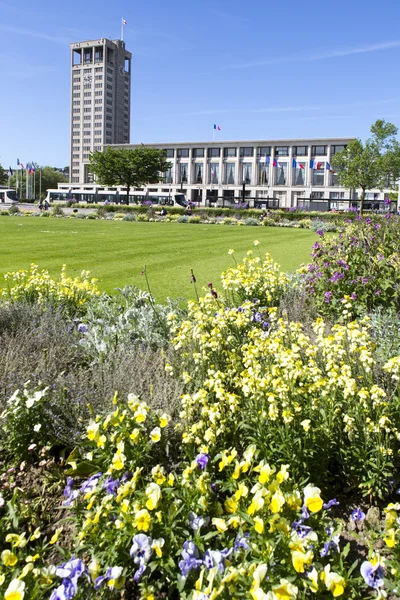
[[257, 69]]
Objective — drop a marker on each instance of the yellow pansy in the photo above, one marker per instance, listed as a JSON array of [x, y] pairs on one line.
[[220, 524], [390, 538], [55, 536], [36, 534], [299, 559], [312, 498], [283, 474], [230, 505], [334, 582], [157, 546], [142, 520], [305, 424], [18, 541], [155, 434], [134, 436], [313, 577], [256, 504], [93, 431], [27, 569], [141, 414], [153, 493], [277, 501], [32, 559], [164, 420], [15, 591], [258, 524], [8, 558], [285, 590]]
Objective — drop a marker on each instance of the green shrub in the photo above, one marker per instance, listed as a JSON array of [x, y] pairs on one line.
[[251, 222], [91, 216], [129, 217], [195, 219], [57, 211], [183, 219], [140, 217]]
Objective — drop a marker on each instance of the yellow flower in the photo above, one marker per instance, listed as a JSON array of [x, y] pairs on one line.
[[27, 569], [32, 559], [334, 582], [135, 435], [141, 414], [306, 424], [390, 538], [256, 504], [164, 420], [285, 590], [230, 505], [101, 442], [265, 474], [299, 559], [94, 568], [220, 524], [118, 460], [15, 591], [142, 520], [313, 577], [93, 431], [2, 579], [157, 545], [36, 534], [258, 524], [153, 493], [277, 501], [283, 474], [171, 479], [259, 574], [56, 535], [9, 558], [312, 498], [18, 541], [155, 434]]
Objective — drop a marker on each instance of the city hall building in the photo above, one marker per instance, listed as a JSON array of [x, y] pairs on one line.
[[291, 171]]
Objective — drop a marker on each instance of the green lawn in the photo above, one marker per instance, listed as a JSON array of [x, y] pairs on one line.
[[116, 252]]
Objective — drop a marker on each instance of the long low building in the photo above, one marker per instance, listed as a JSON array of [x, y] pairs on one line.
[[292, 173]]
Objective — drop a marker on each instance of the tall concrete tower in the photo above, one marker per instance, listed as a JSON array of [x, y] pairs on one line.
[[100, 101]]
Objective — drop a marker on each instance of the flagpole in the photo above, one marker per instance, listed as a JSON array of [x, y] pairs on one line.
[[26, 182], [122, 30], [34, 183], [40, 184], [213, 134]]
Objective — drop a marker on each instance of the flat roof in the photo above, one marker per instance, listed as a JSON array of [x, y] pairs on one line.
[[224, 142]]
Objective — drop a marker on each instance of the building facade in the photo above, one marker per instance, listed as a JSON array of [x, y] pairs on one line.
[[279, 169], [100, 101]]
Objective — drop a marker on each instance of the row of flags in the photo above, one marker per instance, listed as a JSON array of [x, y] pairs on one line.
[[30, 168], [297, 165]]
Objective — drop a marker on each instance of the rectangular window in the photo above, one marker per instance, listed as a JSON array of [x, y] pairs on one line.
[[109, 87], [97, 147], [183, 173], [110, 71], [98, 70], [198, 152], [318, 150], [281, 150], [168, 176], [98, 93], [317, 195], [214, 171], [214, 152], [264, 151], [98, 101], [98, 55], [76, 119], [108, 118], [87, 110], [87, 94], [183, 153], [76, 80], [336, 149], [76, 111], [228, 152], [335, 180], [87, 118], [87, 102], [98, 85], [230, 173], [76, 87], [300, 150], [87, 86], [76, 95], [169, 153], [318, 174], [281, 173], [87, 56], [246, 151], [198, 173], [263, 174], [98, 77], [299, 174], [247, 173]]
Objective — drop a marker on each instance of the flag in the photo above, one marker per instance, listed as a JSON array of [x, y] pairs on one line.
[[300, 166], [217, 127], [10, 172], [294, 163], [319, 166], [33, 167], [267, 160], [274, 163], [329, 168], [124, 22], [22, 166], [18, 162]]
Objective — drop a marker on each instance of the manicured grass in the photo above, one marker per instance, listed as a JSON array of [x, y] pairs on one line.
[[116, 252]]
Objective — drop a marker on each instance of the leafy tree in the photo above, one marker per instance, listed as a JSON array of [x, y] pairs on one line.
[[50, 178], [3, 176], [130, 168], [375, 164]]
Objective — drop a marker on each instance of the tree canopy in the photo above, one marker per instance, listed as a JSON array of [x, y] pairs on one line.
[[3, 176], [129, 168], [372, 165]]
